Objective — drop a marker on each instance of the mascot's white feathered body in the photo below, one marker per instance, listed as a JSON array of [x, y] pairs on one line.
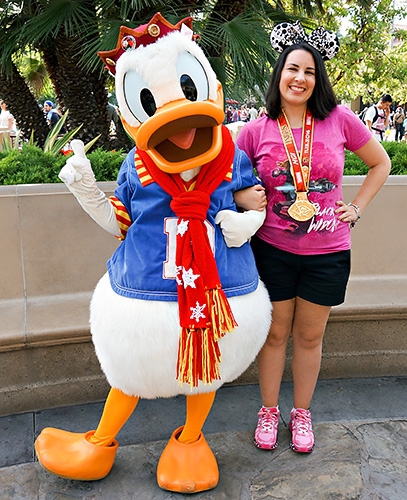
[[181, 309]]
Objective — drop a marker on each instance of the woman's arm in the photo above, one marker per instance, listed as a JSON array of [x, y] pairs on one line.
[[251, 198], [376, 158]]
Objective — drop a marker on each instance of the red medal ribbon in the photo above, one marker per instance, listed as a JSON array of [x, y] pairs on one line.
[[300, 165]]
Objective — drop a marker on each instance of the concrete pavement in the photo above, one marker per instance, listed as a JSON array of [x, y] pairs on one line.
[[361, 448]]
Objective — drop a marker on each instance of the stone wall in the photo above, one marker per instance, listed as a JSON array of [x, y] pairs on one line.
[[52, 255]]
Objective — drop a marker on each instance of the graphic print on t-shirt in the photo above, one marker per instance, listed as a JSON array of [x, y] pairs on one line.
[[325, 218]]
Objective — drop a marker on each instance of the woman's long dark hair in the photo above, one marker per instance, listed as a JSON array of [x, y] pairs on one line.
[[322, 100]]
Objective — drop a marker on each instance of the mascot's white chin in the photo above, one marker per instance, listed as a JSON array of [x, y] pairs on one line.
[[181, 309]]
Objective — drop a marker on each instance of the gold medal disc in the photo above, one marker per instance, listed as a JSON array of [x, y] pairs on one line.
[[302, 209]]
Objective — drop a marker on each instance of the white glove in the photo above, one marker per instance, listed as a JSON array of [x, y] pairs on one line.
[[78, 176], [237, 227]]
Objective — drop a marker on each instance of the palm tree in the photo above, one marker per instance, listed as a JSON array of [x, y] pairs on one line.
[[234, 35], [57, 29], [69, 33], [23, 105]]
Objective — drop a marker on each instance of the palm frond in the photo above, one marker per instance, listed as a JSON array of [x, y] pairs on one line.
[[91, 143], [72, 17], [55, 149], [244, 47]]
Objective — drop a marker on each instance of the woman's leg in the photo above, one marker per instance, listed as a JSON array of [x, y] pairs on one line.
[[271, 359], [308, 330]]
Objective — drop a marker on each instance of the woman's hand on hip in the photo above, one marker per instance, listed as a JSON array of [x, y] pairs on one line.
[[347, 213]]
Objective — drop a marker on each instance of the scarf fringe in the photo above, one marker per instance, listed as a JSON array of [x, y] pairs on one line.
[[199, 354], [221, 315]]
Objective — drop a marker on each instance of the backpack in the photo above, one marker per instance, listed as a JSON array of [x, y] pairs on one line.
[[362, 115]]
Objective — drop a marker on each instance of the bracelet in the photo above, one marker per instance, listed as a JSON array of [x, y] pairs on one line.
[[352, 224]]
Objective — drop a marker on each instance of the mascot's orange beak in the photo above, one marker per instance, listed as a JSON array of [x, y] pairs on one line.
[[182, 135]]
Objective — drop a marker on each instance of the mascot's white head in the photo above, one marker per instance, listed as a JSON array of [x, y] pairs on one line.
[[170, 101]]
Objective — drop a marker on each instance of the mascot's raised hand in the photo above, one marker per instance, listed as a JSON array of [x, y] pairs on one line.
[[77, 166], [78, 176], [179, 311]]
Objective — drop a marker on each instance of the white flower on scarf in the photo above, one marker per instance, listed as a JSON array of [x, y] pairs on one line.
[[182, 227], [188, 277], [197, 311]]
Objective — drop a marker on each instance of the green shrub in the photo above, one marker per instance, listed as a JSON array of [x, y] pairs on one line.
[[32, 166], [397, 152], [354, 165], [106, 164]]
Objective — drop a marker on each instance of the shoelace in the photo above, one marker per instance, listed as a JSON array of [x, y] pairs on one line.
[[268, 420], [303, 423]]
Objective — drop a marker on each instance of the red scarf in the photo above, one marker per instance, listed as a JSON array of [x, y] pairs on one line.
[[204, 311]]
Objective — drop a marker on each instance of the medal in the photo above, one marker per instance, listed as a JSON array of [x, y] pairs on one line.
[[302, 209]]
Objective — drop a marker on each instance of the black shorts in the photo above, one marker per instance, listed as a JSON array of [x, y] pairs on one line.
[[320, 279]]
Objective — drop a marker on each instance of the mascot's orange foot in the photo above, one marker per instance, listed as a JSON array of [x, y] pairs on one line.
[[72, 456], [187, 468]]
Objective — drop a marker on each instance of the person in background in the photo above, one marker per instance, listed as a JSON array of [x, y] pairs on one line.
[[51, 114], [252, 113], [398, 121], [378, 117], [262, 112], [113, 117], [7, 124], [302, 250], [229, 114], [244, 113]]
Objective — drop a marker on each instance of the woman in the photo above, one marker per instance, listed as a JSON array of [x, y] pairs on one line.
[[244, 113], [303, 249], [7, 123]]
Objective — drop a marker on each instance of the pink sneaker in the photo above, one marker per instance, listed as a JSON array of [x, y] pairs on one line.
[[302, 437], [265, 435]]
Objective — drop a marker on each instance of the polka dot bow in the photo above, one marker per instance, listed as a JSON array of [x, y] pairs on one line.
[[286, 34]]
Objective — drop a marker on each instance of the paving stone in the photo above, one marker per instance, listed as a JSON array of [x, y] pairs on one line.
[[16, 439], [385, 447], [331, 472], [354, 458], [20, 482]]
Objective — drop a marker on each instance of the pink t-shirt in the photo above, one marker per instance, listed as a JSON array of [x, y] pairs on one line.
[[324, 233]]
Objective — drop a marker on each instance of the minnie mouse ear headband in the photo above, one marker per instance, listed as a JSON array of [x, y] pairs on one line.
[[285, 34]]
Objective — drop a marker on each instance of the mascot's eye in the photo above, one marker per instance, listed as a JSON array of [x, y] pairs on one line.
[[193, 80], [188, 87], [148, 102], [139, 97]]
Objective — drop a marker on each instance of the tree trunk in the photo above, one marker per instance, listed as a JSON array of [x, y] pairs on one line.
[[52, 65], [23, 106], [84, 94]]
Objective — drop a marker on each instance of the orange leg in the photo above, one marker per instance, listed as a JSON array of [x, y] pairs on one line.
[[187, 465], [117, 411], [198, 408], [88, 456]]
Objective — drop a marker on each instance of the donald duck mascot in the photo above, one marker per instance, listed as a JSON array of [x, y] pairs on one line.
[[181, 309]]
